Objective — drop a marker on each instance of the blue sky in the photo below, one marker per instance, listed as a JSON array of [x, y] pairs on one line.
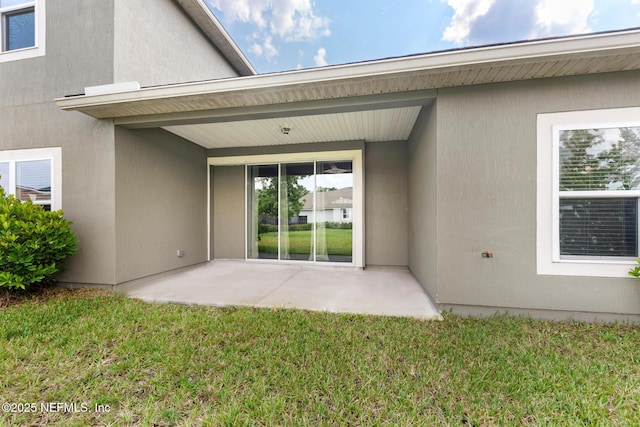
[[278, 35]]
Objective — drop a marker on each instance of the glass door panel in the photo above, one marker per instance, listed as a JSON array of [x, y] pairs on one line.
[[300, 211], [296, 203], [334, 211], [262, 212]]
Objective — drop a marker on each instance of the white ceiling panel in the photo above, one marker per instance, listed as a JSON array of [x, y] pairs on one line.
[[393, 124]]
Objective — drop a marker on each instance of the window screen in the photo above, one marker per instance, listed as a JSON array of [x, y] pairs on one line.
[[33, 181], [606, 164], [20, 30], [599, 227]]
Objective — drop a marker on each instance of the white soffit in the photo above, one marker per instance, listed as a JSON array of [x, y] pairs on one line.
[[393, 124]]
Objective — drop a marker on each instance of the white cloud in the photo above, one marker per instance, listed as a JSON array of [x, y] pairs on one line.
[[269, 50], [477, 22], [555, 17], [288, 20], [266, 48], [320, 58], [466, 12], [295, 20], [243, 10], [256, 49]]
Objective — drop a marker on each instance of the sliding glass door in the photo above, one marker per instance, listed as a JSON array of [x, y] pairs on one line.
[[300, 211], [262, 211], [296, 184], [334, 211]]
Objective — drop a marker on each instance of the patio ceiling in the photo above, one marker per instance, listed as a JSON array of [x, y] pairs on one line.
[[372, 125], [377, 100]]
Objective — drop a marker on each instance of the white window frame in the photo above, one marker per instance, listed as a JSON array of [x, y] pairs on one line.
[[355, 156], [549, 126], [54, 154], [39, 28]]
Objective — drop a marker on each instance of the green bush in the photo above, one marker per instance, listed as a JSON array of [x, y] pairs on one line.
[[635, 271], [33, 243], [338, 225], [267, 228], [301, 227]]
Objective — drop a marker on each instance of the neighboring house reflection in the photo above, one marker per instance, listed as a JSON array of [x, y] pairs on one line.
[[332, 205], [39, 196]]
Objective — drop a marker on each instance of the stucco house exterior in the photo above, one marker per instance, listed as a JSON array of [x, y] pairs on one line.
[[159, 136]]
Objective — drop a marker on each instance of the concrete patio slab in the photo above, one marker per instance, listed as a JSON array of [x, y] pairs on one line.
[[378, 291]]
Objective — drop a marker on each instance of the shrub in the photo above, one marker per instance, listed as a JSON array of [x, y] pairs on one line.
[[301, 227], [635, 271], [267, 228], [33, 243], [338, 225]]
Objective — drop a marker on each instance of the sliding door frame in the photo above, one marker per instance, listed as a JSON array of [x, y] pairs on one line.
[[355, 156]]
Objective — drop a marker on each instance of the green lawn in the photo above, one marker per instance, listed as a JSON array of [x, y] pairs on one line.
[[338, 242], [160, 365]]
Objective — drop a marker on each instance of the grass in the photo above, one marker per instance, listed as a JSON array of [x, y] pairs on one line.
[[177, 365], [338, 242]]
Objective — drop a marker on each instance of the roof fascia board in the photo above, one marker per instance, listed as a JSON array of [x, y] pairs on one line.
[[294, 109], [440, 60]]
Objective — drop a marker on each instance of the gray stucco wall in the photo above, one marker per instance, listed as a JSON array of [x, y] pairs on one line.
[[71, 62], [156, 42], [386, 203], [423, 190], [486, 199], [88, 199], [109, 44], [227, 213], [161, 203], [30, 119]]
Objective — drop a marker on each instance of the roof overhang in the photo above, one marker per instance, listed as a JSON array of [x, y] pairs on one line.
[[384, 85]]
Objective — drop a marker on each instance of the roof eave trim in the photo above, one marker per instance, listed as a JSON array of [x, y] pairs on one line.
[[433, 61]]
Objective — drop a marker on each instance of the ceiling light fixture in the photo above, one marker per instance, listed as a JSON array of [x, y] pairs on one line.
[[285, 129]]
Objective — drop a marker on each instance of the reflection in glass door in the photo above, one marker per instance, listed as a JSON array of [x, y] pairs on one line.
[[262, 212], [296, 192], [300, 211], [334, 213]]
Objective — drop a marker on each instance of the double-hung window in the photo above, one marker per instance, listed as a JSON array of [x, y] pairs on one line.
[[33, 175], [588, 192], [22, 29]]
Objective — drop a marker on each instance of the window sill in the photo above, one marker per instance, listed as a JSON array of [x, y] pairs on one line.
[[586, 267], [19, 54]]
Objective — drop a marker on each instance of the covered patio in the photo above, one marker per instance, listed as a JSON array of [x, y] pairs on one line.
[[441, 149], [375, 291]]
